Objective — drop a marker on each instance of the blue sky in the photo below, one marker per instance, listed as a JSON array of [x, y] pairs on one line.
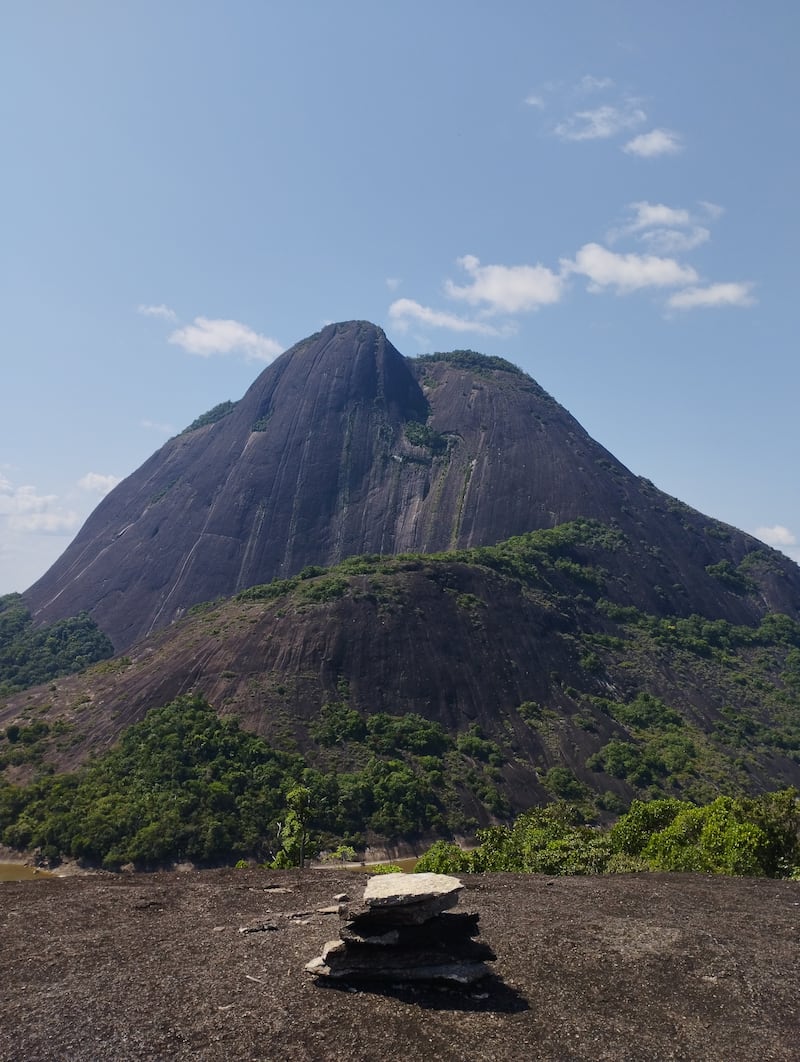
[[603, 192]]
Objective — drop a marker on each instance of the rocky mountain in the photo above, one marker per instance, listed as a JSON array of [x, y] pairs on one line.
[[343, 447]]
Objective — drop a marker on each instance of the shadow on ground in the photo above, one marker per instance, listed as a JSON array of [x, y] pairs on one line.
[[490, 995]]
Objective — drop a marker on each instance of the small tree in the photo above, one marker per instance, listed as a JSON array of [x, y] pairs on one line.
[[345, 853], [295, 831]]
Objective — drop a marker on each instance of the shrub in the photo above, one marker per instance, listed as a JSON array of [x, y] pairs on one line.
[[730, 577], [633, 831], [423, 435], [211, 416], [562, 783], [444, 857], [31, 655]]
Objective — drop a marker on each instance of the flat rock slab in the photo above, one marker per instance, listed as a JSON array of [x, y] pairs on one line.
[[445, 929], [462, 973], [409, 899], [396, 890]]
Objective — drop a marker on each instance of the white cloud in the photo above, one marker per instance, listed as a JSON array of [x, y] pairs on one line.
[[731, 294], [393, 283], [659, 226], [26, 510], [626, 272], [781, 538], [46, 523], [208, 336], [776, 536], [657, 142], [594, 84], [404, 311], [601, 123], [712, 210], [616, 113], [507, 289], [662, 232], [16, 500], [164, 312], [647, 215], [162, 429], [672, 241], [97, 483]]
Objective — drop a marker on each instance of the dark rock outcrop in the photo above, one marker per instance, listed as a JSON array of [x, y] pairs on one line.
[[342, 446]]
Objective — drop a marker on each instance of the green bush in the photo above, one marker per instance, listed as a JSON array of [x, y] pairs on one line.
[[726, 573], [31, 655], [549, 840], [324, 588], [406, 733], [633, 831], [754, 836], [646, 711], [443, 857], [562, 783], [474, 744], [471, 360], [423, 435], [211, 416], [337, 724]]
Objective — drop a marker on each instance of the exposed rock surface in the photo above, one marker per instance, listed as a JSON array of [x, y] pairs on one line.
[[616, 969], [315, 463]]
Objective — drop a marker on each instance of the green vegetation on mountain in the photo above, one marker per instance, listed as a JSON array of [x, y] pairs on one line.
[[471, 360], [211, 416], [186, 784], [419, 434], [526, 558], [758, 837], [655, 737], [30, 655]]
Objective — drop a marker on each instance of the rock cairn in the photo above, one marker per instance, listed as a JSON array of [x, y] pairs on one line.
[[405, 931]]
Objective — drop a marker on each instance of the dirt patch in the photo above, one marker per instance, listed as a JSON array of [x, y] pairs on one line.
[[632, 968]]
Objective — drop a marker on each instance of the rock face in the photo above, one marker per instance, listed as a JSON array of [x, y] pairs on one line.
[[403, 935], [342, 446]]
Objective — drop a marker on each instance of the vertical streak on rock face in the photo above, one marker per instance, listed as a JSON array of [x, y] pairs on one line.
[[456, 533]]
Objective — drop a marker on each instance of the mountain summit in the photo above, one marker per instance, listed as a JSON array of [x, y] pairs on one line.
[[342, 446]]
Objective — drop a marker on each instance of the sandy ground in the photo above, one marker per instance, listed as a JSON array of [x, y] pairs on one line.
[[154, 967]]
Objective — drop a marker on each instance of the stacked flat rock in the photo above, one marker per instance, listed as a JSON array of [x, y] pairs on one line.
[[406, 931]]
